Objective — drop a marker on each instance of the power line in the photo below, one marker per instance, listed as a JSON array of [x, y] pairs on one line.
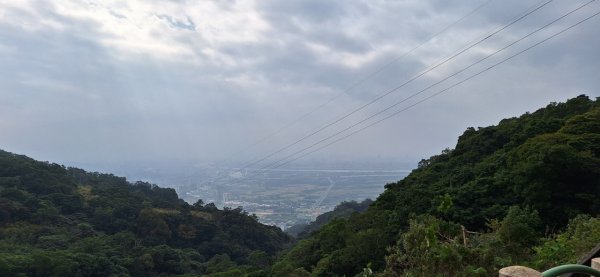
[[434, 84], [442, 61], [377, 122], [355, 84], [360, 81], [441, 91], [519, 18]]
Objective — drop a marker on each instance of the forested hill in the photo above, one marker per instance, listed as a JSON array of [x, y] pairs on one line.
[[523, 192], [509, 185], [57, 221]]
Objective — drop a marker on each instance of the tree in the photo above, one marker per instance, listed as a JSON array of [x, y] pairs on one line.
[[152, 227]]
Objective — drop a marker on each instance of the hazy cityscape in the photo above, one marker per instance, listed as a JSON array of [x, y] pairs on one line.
[[281, 197]]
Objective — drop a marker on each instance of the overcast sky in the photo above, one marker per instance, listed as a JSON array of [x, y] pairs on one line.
[[129, 81]]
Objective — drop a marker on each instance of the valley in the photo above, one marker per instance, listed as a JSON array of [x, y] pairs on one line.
[[280, 197]]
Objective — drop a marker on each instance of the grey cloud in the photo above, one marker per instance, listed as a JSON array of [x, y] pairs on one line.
[[314, 11], [67, 96]]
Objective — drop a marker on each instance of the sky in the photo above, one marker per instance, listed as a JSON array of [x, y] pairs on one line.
[[106, 82]]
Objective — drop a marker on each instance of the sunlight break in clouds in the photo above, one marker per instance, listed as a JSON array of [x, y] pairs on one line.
[[162, 29]]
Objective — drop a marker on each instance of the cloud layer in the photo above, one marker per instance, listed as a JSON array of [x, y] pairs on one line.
[[127, 81]]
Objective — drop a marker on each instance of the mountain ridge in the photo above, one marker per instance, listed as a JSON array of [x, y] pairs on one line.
[[545, 163], [58, 221]]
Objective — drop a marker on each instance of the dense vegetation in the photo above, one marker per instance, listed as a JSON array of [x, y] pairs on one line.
[[513, 187], [342, 210], [522, 192], [57, 221]]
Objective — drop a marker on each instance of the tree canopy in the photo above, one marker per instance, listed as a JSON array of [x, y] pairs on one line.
[[514, 182], [57, 221]]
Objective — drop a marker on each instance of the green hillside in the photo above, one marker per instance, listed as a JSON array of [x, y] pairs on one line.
[[57, 221], [513, 187], [523, 192]]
